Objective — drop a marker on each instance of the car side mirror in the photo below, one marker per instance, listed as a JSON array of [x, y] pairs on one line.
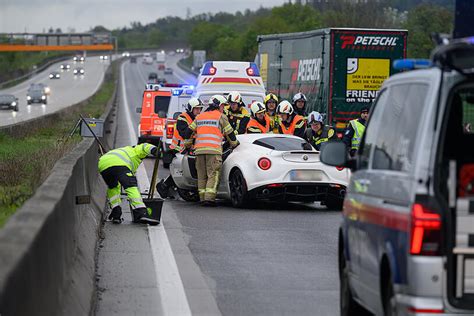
[[176, 115], [334, 154], [139, 110]]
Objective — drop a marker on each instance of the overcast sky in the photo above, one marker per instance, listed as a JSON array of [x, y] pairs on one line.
[[38, 15]]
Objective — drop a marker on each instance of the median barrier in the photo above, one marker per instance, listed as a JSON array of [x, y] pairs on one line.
[[48, 247]]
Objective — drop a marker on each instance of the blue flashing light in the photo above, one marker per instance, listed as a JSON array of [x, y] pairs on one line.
[[208, 69], [189, 91], [177, 92], [469, 40], [410, 64], [253, 70]]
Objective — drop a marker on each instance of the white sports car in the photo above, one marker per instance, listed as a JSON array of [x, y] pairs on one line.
[[268, 167]]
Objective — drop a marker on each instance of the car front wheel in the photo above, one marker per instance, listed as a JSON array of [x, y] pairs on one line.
[[238, 189]]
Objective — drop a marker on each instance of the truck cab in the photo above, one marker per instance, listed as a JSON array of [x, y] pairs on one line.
[[155, 103]]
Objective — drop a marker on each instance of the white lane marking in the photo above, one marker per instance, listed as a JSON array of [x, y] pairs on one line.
[[170, 285]]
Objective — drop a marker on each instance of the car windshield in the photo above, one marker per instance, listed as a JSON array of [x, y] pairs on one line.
[[7, 98], [162, 103], [281, 143]]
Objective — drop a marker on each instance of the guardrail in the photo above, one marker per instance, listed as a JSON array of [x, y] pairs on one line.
[[185, 67], [48, 247]]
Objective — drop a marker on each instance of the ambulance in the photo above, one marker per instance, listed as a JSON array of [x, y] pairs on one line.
[[222, 77], [154, 109]]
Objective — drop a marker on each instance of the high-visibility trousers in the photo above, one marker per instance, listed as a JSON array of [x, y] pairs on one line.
[[115, 178], [208, 167]]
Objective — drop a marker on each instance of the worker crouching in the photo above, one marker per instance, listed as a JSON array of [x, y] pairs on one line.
[[118, 167]]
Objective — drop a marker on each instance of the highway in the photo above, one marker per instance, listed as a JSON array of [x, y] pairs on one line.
[[268, 260], [66, 91]]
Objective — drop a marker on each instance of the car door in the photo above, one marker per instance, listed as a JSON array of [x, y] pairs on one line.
[[357, 196]]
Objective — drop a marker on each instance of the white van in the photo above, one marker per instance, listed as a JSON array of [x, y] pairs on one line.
[[222, 77]]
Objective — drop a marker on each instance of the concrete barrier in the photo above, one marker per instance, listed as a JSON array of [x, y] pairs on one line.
[[48, 247]]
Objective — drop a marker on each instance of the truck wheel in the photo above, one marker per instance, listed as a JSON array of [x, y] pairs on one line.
[[238, 189], [333, 203], [188, 195]]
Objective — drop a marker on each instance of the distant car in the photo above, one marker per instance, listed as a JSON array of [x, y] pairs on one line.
[[54, 75], [9, 101], [168, 71], [65, 66], [133, 60], [276, 168], [46, 90], [104, 57], [125, 54], [36, 94], [79, 71], [79, 58], [180, 50], [152, 76]]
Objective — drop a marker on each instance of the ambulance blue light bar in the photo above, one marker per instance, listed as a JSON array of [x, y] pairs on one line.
[[253, 71], [410, 64], [177, 92], [209, 69]]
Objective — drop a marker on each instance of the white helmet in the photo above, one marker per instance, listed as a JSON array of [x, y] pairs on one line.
[[234, 96], [299, 96], [285, 107], [257, 107], [216, 100], [193, 103], [314, 117]]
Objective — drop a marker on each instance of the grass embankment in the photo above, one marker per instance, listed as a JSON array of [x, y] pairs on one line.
[[27, 161]]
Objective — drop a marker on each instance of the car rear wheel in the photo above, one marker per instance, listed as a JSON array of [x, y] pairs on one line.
[[188, 195], [389, 304], [238, 189]]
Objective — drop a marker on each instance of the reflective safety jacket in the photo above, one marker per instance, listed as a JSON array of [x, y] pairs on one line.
[[209, 128], [130, 157], [178, 142], [359, 130], [274, 122], [295, 127], [317, 138], [238, 120], [254, 126]]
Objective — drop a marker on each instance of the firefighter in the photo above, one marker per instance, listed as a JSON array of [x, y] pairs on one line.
[[178, 144], [299, 104], [271, 102], [260, 122], [118, 168], [290, 122], [236, 112], [355, 130], [209, 128], [318, 133]]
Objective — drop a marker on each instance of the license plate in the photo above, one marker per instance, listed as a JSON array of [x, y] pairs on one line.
[[306, 175]]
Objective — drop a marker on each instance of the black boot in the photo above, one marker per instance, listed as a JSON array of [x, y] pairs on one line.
[[140, 215], [162, 189], [116, 215]]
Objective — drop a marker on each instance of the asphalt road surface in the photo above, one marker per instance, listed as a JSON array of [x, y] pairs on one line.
[[66, 91], [272, 259]]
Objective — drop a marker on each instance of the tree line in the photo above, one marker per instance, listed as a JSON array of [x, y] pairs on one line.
[[228, 36]]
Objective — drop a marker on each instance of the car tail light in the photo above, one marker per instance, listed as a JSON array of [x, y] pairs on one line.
[[425, 310], [425, 231], [209, 69], [340, 168], [264, 163], [275, 185], [253, 71]]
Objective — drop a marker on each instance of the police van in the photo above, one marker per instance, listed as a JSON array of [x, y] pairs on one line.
[[406, 242], [222, 77]]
